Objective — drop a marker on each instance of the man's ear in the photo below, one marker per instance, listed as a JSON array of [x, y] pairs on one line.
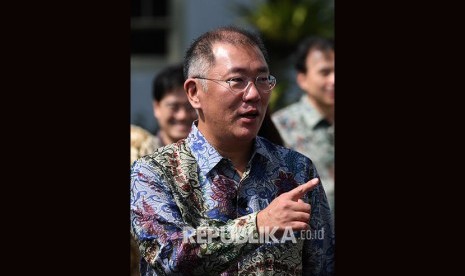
[[190, 86], [156, 109], [301, 81]]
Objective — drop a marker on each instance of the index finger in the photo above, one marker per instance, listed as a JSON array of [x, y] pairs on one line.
[[300, 191]]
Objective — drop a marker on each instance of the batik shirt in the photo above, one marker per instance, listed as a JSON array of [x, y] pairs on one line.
[[142, 142], [186, 189], [304, 129]]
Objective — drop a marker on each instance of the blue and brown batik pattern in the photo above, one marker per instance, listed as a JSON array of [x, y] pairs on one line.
[[189, 185]]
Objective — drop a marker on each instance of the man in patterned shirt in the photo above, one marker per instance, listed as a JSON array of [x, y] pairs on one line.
[[225, 201], [174, 115], [308, 125], [171, 109]]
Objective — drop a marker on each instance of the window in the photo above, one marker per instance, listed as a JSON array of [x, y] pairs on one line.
[[149, 27]]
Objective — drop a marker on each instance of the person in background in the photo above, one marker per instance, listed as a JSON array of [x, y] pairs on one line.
[[205, 204], [307, 126], [142, 142], [171, 107], [174, 114]]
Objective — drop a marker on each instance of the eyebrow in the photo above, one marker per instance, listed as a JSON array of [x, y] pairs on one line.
[[263, 69], [173, 102], [326, 69]]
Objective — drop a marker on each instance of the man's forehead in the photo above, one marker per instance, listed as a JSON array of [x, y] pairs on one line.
[[220, 51], [319, 54], [229, 53]]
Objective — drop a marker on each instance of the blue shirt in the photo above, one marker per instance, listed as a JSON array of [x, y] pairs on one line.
[[186, 189]]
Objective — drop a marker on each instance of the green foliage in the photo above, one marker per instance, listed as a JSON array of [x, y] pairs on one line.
[[283, 24]]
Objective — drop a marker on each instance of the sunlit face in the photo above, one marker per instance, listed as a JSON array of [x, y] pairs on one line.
[[318, 81], [174, 115], [224, 115]]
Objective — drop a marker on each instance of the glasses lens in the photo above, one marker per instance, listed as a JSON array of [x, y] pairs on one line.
[[263, 83], [238, 84]]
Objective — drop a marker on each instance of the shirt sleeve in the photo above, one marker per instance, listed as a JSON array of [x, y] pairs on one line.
[[318, 250], [172, 246]]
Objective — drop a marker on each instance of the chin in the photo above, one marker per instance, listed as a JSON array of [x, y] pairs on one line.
[[181, 132], [179, 137], [247, 135]]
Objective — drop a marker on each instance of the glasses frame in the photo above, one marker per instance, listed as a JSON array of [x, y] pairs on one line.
[[249, 80]]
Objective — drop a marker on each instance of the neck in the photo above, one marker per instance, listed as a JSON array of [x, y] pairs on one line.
[[328, 114], [237, 151], [239, 155], [326, 111], [165, 139]]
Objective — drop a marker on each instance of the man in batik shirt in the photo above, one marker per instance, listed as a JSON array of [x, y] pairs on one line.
[[224, 201], [307, 126], [174, 115]]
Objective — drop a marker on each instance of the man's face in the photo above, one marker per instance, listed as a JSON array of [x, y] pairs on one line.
[[174, 115], [318, 81], [225, 115]]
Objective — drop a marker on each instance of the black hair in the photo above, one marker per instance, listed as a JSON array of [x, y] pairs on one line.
[[169, 78], [307, 45]]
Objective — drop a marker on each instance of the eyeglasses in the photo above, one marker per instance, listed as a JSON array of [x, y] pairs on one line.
[[240, 84]]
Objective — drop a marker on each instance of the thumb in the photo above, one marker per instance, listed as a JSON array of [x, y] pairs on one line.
[[300, 191]]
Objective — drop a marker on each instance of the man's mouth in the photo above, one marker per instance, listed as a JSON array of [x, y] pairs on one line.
[[250, 114]]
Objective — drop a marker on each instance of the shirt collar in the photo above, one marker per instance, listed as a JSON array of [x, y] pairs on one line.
[[312, 117], [263, 148], [204, 153], [208, 157]]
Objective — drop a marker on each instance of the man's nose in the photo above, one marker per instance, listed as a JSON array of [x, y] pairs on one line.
[[251, 93]]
